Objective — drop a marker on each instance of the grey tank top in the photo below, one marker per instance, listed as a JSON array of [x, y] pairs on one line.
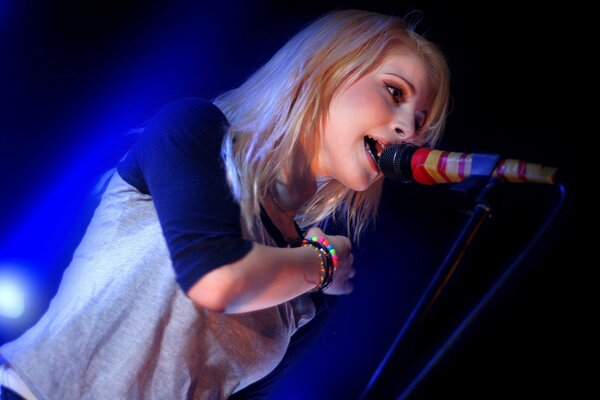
[[120, 327]]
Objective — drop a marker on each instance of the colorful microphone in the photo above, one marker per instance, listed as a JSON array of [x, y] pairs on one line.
[[410, 163]]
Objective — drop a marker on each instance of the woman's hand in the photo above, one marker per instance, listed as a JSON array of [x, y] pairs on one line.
[[343, 248]]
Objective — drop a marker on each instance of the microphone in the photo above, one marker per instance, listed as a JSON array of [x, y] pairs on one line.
[[410, 163]]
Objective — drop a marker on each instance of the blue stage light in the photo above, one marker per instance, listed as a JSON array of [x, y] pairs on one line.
[[12, 296]]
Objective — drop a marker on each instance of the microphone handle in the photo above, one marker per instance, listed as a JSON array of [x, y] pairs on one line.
[[430, 166], [518, 171]]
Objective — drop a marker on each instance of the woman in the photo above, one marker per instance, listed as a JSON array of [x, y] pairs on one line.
[[194, 279]]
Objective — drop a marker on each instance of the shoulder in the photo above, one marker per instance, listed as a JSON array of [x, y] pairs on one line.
[[193, 111], [187, 122], [184, 135]]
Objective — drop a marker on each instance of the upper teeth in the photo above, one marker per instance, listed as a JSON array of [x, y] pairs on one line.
[[378, 147], [373, 147]]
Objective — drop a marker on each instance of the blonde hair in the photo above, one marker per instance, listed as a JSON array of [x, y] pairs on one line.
[[280, 110]]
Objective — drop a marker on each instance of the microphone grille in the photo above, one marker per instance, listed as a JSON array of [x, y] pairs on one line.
[[395, 162]]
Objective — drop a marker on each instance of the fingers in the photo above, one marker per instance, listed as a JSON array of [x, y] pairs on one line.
[[345, 243], [342, 281], [348, 287], [348, 265], [315, 231]]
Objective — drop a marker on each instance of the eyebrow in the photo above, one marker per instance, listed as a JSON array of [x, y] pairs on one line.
[[410, 85]]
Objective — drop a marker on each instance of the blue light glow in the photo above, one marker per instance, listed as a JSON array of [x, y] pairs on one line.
[[12, 296]]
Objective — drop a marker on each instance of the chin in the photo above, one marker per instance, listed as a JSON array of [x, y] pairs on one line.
[[361, 188], [359, 181], [362, 185]]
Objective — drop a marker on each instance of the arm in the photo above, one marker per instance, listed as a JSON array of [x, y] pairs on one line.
[[268, 276], [265, 277], [177, 161]]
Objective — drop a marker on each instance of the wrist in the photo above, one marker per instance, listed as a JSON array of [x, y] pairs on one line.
[[313, 267], [328, 260]]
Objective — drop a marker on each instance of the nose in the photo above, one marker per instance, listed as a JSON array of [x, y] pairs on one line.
[[404, 123]]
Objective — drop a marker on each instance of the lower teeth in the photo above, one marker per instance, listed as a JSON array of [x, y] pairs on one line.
[[371, 154]]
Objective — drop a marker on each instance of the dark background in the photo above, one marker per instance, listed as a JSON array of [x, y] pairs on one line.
[[76, 76]]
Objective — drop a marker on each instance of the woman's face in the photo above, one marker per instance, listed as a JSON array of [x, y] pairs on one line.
[[387, 106]]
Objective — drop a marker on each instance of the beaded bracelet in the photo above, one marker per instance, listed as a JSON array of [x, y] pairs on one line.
[[324, 269], [325, 243], [329, 260]]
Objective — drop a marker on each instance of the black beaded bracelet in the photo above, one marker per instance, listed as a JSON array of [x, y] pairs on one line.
[[324, 268], [328, 260]]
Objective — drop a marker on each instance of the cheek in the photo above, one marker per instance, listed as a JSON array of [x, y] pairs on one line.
[[363, 96], [361, 109]]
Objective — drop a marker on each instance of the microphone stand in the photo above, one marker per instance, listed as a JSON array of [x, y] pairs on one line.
[[385, 384]]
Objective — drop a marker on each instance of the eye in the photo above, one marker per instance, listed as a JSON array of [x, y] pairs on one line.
[[395, 92]]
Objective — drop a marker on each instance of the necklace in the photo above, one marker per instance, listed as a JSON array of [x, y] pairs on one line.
[[288, 213]]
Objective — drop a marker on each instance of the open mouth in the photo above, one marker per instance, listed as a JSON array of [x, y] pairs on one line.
[[374, 148]]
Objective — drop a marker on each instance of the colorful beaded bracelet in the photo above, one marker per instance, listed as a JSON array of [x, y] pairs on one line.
[[329, 260], [321, 240], [324, 269]]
